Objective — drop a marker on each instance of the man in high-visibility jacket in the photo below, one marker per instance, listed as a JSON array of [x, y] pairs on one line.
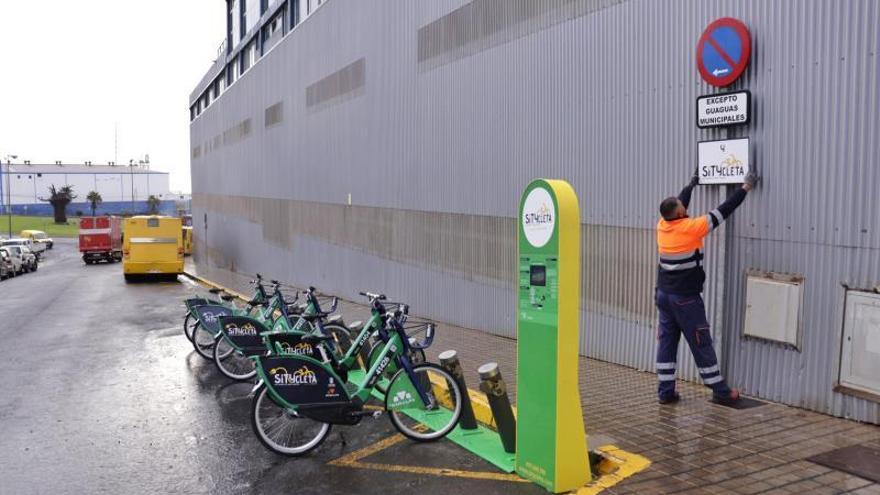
[[680, 279]]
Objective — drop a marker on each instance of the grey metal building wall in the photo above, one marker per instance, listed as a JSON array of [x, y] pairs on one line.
[[432, 116]]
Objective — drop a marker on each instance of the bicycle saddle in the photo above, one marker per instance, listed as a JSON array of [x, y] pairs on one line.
[[227, 297], [215, 290], [334, 319], [356, 325]]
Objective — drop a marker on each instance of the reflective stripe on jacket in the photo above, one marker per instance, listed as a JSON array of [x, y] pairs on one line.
[[680, 244]]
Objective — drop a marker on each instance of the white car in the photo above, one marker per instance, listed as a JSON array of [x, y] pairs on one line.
[[29, 258], [7, 269], [35, 247], [14, 254]]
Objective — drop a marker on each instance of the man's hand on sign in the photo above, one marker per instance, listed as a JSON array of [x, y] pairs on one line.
[[695, 179], [750, 180]]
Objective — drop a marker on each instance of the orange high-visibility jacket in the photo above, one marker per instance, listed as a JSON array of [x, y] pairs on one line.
[[680, 245]]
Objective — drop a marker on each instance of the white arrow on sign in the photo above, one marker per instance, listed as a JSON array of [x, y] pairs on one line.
[[718, 72]]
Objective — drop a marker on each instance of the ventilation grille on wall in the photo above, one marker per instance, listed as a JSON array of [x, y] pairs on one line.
[[483, 24], [275, 114], [340, 83]]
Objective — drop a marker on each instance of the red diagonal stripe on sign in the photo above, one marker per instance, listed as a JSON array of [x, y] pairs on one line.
[[721, 52]]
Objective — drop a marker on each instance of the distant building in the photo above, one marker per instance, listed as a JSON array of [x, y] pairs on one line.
[[123, 189]]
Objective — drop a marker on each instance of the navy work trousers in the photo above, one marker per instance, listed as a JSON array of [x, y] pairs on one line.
[[685, 315]]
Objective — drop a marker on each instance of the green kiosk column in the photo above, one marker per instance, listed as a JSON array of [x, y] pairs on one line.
[[551, 446]]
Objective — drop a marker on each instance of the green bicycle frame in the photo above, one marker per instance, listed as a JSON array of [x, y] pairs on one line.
[[391, 351]]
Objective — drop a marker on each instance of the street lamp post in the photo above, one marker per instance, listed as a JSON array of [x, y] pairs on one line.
[[9, 159], [131, 176]]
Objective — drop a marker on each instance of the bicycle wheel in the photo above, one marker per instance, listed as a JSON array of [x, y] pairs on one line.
[[282, 430], [189, 325], [232, 363], [420, 422], [203, 342]]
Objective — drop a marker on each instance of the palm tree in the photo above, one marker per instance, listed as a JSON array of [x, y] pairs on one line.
[[59, 199], [94, 198], [153, 204]]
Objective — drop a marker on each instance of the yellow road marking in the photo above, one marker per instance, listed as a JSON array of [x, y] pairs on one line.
[[616, 466], [353, 460]]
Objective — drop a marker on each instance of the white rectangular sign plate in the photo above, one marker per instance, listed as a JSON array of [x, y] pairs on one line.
[[723, 162], [723, 109]]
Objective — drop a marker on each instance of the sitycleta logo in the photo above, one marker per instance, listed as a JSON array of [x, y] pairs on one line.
[[538, 217], [301, 348], [246, 330], [302, 376], [731, 166], [209, 317]]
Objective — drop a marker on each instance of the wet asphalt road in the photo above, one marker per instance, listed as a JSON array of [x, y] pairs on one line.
[[100, 392]]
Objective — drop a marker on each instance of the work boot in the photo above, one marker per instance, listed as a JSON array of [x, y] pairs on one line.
[[671, 399], [727, 400]]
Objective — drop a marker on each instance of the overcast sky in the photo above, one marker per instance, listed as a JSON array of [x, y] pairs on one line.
[[71, 71]]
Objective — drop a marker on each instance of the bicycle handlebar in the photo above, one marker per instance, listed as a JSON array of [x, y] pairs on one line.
[[380, 297]]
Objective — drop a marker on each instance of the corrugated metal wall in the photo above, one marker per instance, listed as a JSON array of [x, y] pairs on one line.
[[432, 117]]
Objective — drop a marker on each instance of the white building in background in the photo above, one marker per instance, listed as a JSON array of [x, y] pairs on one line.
[[123, 188]]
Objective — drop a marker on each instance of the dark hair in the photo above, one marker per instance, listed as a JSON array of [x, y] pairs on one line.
[[668, 207]]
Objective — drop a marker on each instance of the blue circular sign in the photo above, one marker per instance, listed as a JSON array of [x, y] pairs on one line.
[[723, 51]]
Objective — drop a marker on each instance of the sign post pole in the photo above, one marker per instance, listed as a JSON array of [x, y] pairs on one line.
[[551, 445]]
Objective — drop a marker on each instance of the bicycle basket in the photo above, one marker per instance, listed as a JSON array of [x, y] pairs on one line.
[[242, 332], [301, 380], [208, 316], [192, 302], [290, 343], [426, 330]]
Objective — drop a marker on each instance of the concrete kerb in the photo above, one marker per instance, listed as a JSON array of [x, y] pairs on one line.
[[614, 465], [209, 283]]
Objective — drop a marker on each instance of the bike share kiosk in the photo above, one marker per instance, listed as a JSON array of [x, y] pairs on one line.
[[551, 446]]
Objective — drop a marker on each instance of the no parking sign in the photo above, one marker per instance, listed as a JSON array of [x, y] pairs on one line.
[[723, 51]]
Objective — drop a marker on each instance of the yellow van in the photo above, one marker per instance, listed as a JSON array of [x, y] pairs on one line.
[[37, 236], [187, 240], [152, 245]]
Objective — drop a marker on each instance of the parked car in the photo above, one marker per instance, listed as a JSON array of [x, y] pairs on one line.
[[29, 258], [35, 247], [38, 236], [5, 266], [14, 254]]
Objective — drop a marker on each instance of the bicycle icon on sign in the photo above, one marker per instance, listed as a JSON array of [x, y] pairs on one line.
[[731, 161]]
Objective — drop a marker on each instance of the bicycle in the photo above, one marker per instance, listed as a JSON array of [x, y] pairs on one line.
[[346, 355], [241, 337], [298, 396], [207, 327], [190, 320]]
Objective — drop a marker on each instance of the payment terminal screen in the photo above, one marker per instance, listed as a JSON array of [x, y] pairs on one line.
[[538, 275]]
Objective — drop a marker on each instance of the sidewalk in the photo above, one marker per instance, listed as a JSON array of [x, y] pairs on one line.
[[694, 446]]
